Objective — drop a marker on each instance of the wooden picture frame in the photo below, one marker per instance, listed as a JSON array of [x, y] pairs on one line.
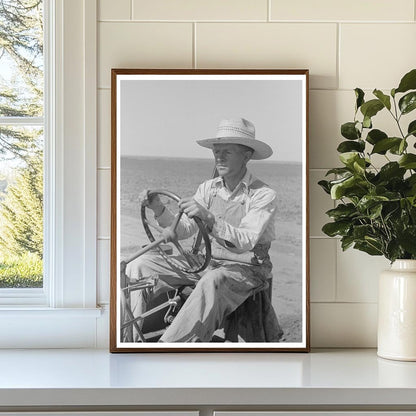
[[157, 116]]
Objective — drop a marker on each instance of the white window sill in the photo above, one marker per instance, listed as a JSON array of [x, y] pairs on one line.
[[40, 327], [39, 311], [84, 378], [22, 297]]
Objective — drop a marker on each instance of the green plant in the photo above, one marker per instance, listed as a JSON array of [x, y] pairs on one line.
[[376, 212], [21, 271]]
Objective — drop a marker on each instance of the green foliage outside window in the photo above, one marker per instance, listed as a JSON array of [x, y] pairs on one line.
[[21, 213], [21, 147]]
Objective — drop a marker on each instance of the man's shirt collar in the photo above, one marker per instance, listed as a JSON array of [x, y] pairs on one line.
[[245, 183]]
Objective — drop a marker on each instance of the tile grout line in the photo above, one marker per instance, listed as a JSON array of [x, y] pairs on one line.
[[344, 303], [336, 271], [338, 63], [308, 22], [319, 169], [194, 63], [310, 169], [269, 11], [131, 9], [310, 89], [323, 237]]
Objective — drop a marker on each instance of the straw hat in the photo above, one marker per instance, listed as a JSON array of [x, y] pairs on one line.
[[238, 131]]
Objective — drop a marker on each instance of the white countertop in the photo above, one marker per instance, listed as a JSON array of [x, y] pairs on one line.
[[96, 377]]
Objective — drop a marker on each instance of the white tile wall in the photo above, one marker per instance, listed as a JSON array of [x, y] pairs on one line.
[[376, 55], [319, 203], [271, 45], [345, 44], [200, 10], [103, 271], [114, 10], [341, 10], [339, 325], [323, 269], [331, 108], [328, 110], [357, 275], [104, 202], [103, 323], [104, 128], [142, 45]]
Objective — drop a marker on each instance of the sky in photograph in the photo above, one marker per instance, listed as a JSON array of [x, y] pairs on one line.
[[165, 117]]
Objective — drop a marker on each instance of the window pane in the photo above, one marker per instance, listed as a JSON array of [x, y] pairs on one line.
[[21, 208], [21, 145], [21, 58]]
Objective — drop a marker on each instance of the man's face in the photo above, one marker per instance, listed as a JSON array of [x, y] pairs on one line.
[[229, 159]]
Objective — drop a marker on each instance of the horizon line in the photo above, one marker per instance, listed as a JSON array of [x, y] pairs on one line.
[[204, 158]]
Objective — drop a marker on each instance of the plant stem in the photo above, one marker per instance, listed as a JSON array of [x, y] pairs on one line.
[[376, 248], [397, 118], [386, 230], [395, 108], [374, 167], [400, 128]]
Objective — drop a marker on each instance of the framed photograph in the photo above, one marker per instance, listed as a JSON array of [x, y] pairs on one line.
[[209, 211]]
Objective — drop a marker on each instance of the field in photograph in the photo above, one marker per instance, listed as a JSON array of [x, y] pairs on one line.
[[182, 177]]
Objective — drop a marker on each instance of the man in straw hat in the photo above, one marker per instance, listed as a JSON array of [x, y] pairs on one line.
[[238, 210]]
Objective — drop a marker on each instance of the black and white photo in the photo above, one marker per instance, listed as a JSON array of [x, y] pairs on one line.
[[209, 244]]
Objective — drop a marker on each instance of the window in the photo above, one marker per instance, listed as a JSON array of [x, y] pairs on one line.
[[22, 128], [63, 312]]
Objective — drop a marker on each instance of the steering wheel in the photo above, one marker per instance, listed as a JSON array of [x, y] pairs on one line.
[[196, 261]]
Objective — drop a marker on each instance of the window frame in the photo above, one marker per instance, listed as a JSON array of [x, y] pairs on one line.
[[33, 296], [68, 298]]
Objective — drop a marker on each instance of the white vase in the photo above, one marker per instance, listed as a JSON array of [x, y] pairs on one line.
[[397, 312]]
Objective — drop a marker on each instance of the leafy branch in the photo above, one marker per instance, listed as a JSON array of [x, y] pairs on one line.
[[376, 210]]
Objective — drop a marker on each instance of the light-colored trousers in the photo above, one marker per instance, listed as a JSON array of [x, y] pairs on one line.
[[221, 288]]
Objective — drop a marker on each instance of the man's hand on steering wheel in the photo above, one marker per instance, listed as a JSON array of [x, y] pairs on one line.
[[193, 209], [197, 259], [153, 202]]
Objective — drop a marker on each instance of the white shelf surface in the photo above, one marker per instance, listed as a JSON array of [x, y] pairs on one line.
[[97, 378]]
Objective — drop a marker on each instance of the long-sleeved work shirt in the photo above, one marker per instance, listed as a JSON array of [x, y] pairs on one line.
[[248, 217]]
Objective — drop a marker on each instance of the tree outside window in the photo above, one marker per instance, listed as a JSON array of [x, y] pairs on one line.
[[21, 143]]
